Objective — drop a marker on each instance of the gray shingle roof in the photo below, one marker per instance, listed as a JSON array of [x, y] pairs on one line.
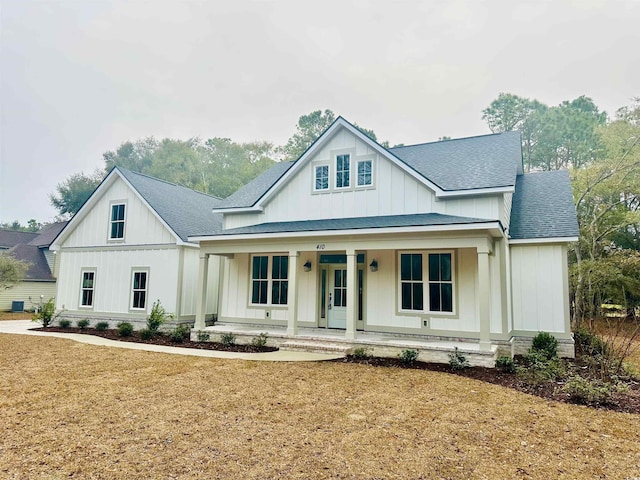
[[387, 221], [38, 268], [47, 234], [11, 238], [250, 193], [184, 210], [468, 163], [543, 207]]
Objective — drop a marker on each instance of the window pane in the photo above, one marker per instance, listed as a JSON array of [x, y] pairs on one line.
[[364, 172], [434, 297], [87, 281], [445, 267], [418, 303], [338, 297], [322, 177], [434, 267], [255, 292], [143, 280], [284, 293], [275, 268], [406, 296], [263, 291], [405, 267], [275, 293], [264, 265], [447, 297], [87, 297], [416, 266]]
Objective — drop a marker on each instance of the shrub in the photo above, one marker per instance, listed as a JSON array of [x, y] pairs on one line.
[[157, 316], [588, 343], [203, 336], [408, 357], [457, 360], [102, 326], [125, 329], [546, 343], [588, 392], [147, 334], [538, 368], [180, 333], [46, 313], [228, 339], [84, 323], [64, 323], [362, 353], [506, 364], [261, 340]]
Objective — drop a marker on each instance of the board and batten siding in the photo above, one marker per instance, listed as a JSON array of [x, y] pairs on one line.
[[236, 291], [27, 292], [540, 288], [142, 227], [112, 290], [394, 192], [189, 299]]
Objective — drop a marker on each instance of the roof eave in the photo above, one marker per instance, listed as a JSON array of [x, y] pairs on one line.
[[251, 209], [494, 226], [525, 241], [475, 191]]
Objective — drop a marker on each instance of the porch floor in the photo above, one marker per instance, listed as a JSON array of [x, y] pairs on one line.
[[381, 344]]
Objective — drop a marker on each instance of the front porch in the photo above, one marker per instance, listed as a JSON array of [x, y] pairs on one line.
[[379, 344]]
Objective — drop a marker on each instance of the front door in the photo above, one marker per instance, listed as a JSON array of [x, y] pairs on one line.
[[337, 301]]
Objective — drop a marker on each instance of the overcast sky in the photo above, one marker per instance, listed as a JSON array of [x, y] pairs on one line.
[[78, 77]]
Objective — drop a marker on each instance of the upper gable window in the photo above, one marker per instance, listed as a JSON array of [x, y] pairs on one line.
[[365, 173], [343, 170], [116, 231], [321, 177]]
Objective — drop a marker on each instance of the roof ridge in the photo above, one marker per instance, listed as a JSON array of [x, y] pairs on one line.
[[471, 137], [122, 169]]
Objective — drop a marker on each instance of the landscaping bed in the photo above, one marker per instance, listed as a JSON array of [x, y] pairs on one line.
[[628, 401], [160, 338]]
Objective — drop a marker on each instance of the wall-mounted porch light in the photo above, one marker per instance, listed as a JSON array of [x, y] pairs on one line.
[[373, 266], [307, 266]]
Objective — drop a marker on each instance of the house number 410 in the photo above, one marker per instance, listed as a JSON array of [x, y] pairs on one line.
[[320, 246]]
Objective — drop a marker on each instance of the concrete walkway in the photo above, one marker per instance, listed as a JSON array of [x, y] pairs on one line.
[[22, 327]]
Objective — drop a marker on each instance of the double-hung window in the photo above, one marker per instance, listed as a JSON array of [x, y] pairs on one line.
[[321, 177], [116, 231], [365, 173], [438, 283], [343, 170], [139, 288], [269, 279], [87, 288]]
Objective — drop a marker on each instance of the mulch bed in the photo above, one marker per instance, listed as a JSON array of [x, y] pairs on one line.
[[160, 339], [628, 402]]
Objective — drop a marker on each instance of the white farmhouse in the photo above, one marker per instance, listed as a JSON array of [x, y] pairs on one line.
[[447, 242], [127, 247]]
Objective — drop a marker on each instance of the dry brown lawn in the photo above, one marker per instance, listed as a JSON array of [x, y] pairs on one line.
[[70, 410]]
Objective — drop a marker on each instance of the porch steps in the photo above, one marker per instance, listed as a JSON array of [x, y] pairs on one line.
[[315, 347]]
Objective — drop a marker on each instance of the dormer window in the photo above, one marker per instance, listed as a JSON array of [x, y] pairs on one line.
[[321, 178], [116, 232], [343, 171], [365, 173]]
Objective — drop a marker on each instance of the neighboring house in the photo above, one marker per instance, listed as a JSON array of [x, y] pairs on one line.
[[127, 247], [438, 241], [39, 283]]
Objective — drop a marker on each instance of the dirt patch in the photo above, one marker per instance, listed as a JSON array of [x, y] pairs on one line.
[[15, 316], [71, 410], [160, 339]]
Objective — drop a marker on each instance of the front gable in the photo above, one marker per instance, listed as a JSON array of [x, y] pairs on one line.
[[115, 215], [345, 174]]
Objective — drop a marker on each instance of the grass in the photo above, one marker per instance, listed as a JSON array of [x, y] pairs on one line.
[[73, 410]]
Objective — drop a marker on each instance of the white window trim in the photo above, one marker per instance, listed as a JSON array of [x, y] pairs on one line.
[[146, 290], [321, 190], [425, 282], [93, 297], [335, 163], [373, 172], [269, 280], [113, 203]]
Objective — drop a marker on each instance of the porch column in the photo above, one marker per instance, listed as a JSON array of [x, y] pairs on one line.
[[201, 305], [352, 299], [484, 299], [292, 300]]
